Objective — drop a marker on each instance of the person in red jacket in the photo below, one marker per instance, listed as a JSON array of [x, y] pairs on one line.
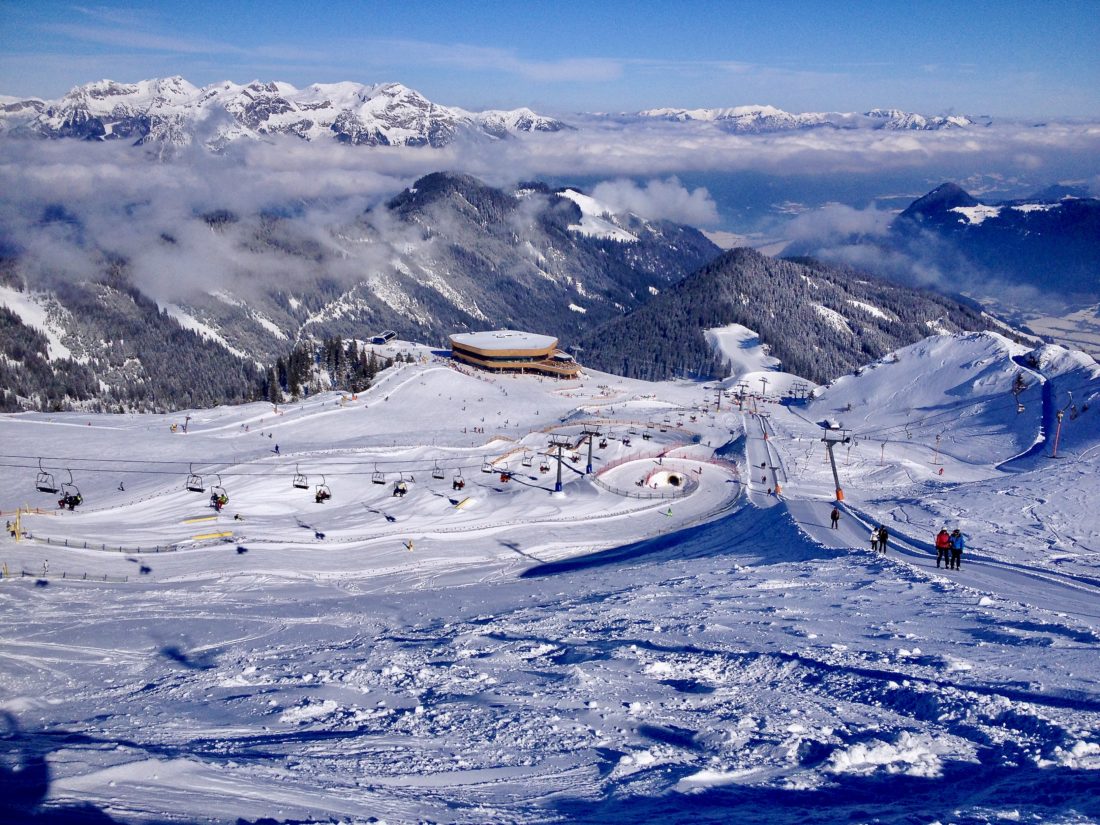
[[943, 548]]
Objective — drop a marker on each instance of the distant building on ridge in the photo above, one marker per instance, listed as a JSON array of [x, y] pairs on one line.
[[508, 350]]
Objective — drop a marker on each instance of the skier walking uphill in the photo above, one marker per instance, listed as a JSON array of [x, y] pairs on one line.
[[834, 517], [958, 543], [943, 548], [883, 537]]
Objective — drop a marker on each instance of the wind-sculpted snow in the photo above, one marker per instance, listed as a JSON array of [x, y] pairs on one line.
[[501, 653]]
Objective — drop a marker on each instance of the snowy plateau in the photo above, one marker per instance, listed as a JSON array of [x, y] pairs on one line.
[[666, 639]]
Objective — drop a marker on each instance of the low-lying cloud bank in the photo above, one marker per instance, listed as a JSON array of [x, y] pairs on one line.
[[64, 203]]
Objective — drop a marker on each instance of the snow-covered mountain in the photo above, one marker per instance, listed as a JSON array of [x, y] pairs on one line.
[[819, 321], [173, 111], [448, 254], [751, 119], [1049, 241]]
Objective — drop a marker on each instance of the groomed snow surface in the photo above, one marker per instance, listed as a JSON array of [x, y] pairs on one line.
[[627, 650]]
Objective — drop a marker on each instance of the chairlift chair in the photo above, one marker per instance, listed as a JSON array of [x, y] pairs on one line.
[[194, 481], [321, 493], [45, 483], [400, 488], [377, 476], [300, 481], [603, 443], [527, 460], [457, 481], [437, 471], [544, 466], [487, 467], [219, 491], [70, 493], [626, 440]]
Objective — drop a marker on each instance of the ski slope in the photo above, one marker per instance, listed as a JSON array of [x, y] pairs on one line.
[[628, 649]]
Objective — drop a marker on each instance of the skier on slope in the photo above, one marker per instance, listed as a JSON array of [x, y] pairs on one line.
[[943, 548], [834, 517]]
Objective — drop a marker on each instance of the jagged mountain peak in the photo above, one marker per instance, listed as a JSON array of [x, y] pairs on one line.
[[169, 110]]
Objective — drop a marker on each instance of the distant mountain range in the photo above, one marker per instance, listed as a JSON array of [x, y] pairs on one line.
[[173, 112], [753, 119]]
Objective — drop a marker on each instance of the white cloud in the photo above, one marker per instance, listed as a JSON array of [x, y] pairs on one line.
[[659, 200], [836, 220]]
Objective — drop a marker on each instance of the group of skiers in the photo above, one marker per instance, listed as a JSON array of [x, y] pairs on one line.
[[949, 546]]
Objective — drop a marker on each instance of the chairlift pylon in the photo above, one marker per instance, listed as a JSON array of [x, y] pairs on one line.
[[194, 481], [44, 482]]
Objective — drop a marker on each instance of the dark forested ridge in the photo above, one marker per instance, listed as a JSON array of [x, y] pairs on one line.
[[790, 304], [125, 354]]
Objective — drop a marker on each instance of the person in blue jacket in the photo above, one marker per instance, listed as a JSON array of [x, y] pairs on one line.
[[958, 542]]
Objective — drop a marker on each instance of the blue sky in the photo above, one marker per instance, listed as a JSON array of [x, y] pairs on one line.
[[1015, 59]]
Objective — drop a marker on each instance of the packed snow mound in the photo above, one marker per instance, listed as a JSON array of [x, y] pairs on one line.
[[910, 755]]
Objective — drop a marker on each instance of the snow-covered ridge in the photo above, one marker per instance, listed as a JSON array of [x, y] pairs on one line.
[[172, 110], [758, 118]]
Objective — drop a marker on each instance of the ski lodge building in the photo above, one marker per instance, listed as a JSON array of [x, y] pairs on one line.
[[507, 350]]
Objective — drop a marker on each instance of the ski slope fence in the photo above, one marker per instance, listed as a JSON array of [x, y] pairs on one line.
[[72, 577]]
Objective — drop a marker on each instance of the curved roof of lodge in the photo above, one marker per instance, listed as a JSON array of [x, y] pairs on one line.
[[504, 339]]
